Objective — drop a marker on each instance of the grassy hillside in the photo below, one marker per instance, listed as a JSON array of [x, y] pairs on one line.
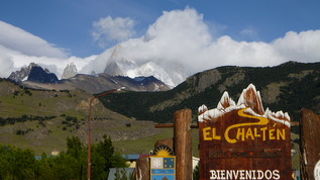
[[42, 120]]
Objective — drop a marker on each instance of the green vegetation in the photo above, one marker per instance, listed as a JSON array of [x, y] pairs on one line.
[[19, 164], [146, 144], [196, 173], [24, 118], [40, 120], [300, 88], [71, 122]]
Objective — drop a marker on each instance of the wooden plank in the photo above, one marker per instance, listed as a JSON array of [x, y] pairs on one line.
[[310, 144], [164, 125], [183, 144], [255, 148], [170, 125]]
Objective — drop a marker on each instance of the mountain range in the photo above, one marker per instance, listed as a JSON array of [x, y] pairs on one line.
[[50, 115], [117, 62], [34, 76], [289, 86]]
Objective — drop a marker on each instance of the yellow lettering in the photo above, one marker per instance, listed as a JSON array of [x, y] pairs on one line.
[[214, 134], [226, 136], [256, 133], [263, 133], [206, 134], [281, 134], [240, 134], [271, 134], [262, 121], [249, 134]]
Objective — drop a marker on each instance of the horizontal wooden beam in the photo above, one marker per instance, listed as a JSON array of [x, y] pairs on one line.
[[164, 125], [294, 123], [171, 125]]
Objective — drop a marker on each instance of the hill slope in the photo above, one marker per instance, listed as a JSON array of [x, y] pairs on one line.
[[42, 120], [289, 86]]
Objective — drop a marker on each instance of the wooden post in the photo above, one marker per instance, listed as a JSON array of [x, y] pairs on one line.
[[309, 143], [183, 144]]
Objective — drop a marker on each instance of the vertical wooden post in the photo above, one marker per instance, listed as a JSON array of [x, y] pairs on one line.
[[183, 144]]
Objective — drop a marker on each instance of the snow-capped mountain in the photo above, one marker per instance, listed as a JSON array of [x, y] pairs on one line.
[[117, 63], [34, 76], [40, 75], [69, 71], [22, 74], [34, 73]]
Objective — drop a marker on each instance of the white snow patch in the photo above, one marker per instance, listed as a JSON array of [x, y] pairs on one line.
[[156, 87], [215, 113], [26, 78], [114, 81], [203, 108]]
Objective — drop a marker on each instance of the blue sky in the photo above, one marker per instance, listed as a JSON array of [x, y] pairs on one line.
[[69, 23], [168, 39]]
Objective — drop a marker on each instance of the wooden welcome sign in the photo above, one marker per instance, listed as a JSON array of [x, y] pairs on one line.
[[243, 141]]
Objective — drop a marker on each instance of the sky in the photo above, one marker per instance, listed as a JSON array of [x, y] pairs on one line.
[[213, 32], [69, 24]]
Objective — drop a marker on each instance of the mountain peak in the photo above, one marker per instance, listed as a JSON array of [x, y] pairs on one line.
[[38, 74], [69, 71], [22, 74], [225, 101], [250, 97]]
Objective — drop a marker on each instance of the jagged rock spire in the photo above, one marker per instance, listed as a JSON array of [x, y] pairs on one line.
[[69, 71], [225, 101], [250, 97]]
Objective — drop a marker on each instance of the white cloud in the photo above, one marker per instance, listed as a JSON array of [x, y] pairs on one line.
[[6, 65], [22, 41], [178, 44], [19, 48], [11, 60], [181, 37], [303, 46], [110, 29]]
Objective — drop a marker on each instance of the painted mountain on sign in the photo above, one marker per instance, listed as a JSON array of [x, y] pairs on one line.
[[250, 99]]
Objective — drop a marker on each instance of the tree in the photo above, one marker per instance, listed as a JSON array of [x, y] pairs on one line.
[[16, 163], [76, 150], [104, 158]]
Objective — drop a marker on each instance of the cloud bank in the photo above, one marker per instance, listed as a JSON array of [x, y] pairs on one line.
[[22, 41], [108, 30], [19, 48], [178, 44], [181, 37]]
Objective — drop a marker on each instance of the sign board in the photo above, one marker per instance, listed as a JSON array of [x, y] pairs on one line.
[[163, 164], [242, 141], [162, 168]]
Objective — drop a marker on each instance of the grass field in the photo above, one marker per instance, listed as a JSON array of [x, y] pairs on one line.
[[69, 109], [146, 144]]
